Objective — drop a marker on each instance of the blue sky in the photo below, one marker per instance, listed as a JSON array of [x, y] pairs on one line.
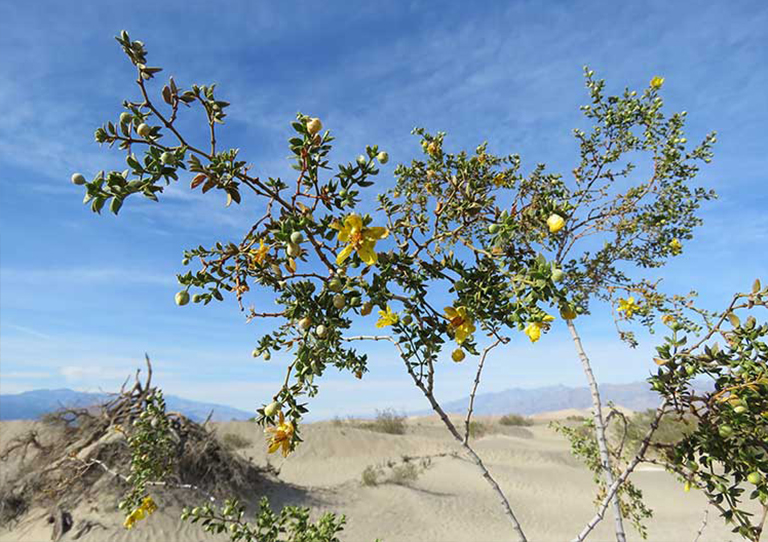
[[82, 297]]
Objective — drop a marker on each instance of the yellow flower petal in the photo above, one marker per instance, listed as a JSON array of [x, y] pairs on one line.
[[533, 330], [367, 254], [354, 221], [387, 318], [344, 254], [555, 223], [376, 232]]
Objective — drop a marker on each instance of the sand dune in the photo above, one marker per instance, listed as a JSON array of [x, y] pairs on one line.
[[549, 490]]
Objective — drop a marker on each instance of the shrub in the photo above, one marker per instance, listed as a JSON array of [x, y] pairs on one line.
[[387, 421], [478, 429], [671, 429], [371, 475], [515, 419], [401, 474]]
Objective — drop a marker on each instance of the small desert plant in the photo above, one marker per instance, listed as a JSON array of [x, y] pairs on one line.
[[478, 429], [515, 419], [403, 474], [387, 421], [233, 441], [371, 475], [399, 473], [671, 429]]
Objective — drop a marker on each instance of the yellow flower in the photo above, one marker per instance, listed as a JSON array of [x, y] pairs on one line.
[[387, 318], [555, 223], [461, 323], [533, 330], [149, 505], [628, 306], [667, 319], [146, 508], [499, 180], [675, 245], [260, 253], [359, 238], [656, 82], [458, 355], [280, 436]]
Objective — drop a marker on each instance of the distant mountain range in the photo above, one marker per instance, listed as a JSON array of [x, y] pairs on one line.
[[635, 396], [31, 405]]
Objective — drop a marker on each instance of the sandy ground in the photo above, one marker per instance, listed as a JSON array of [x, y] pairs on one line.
[[550, 491]]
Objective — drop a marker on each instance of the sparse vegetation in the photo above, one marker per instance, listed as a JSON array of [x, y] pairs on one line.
[[671, 430], [478, 429], [515, 419], [400, 473], [387, 421]]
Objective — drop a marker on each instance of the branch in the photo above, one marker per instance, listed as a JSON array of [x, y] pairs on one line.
[[602, 443], [499, 341], [703, 525], [614, 487]]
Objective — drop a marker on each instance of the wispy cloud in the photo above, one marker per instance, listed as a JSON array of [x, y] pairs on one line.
[[506, 72], [83, 275]]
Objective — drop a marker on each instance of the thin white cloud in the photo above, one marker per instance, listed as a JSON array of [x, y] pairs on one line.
[[83, 275]]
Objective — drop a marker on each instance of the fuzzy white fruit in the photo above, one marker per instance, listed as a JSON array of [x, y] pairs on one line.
[[143, 130], [272, 408], [314, 126], [339, 301], [125, 117], [292, 250], [78, 179], [321, 331], [382, 157], [167, 158], [182, 298], [305, 322]]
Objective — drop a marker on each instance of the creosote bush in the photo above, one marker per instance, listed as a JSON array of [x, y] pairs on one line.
[[387, 421], [509, 248], [515, 419]]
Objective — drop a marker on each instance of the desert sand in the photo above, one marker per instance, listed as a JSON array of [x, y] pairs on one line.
[[550, 491]]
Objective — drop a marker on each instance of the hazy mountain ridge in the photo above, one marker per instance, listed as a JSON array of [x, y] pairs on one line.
[[31, 405], [636, 396]]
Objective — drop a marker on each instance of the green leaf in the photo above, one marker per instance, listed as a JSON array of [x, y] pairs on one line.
[[115, 205], [734, 320], [97, 204]]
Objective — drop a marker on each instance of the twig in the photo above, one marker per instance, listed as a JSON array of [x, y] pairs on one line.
[[760, 526], [614, 487], [477, 383], [703, 525], [602, 443]]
